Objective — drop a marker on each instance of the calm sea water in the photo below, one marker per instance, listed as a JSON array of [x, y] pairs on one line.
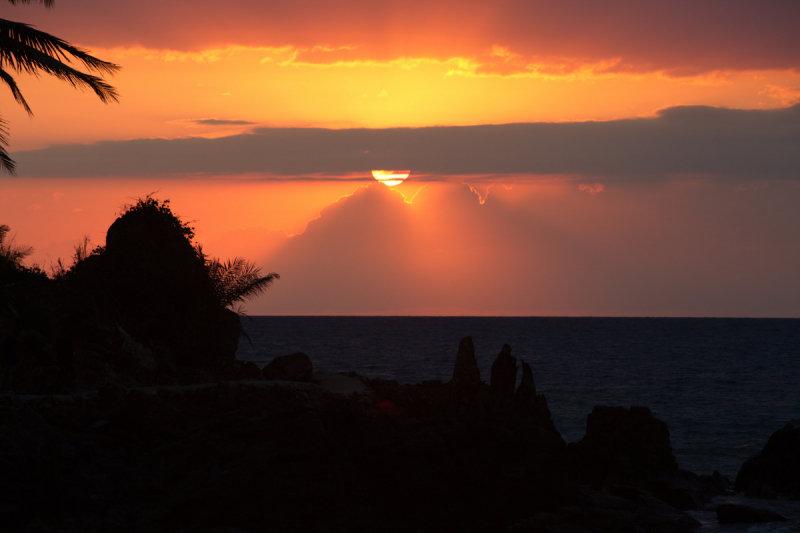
[[722, 385]]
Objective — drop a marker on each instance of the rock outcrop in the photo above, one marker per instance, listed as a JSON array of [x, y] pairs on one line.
[[466, 381], [528, 403], [625, 446], [292, 367], [503, 380], [729, 513], [377, 457], [776, 469]]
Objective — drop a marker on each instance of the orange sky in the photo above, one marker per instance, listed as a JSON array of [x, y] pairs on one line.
[[205, 69]]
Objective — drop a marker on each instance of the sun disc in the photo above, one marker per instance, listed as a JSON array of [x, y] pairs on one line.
[[390, 177]]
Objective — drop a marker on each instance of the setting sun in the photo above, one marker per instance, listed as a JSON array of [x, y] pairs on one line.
[[390, 177]]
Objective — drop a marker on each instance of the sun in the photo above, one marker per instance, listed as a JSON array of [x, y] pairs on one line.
[[390, 177]]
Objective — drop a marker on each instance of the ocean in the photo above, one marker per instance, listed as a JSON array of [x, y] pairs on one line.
[[722, 385]]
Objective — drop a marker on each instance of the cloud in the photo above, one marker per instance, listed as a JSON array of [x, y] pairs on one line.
[[787, 95], [591, 188], [669, 250], [691, 140], [680, 36], [219, 122]]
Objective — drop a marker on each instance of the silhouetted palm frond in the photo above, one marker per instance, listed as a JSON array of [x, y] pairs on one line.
[[5, 160], [24, 49], [47, 3], [236, 280]]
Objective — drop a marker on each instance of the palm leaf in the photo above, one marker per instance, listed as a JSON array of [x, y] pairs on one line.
[[236, 280], [47, 3], [8, 79], [24, 49], [6, 163]]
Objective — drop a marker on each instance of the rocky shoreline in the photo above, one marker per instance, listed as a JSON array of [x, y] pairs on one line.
[[239, 452]]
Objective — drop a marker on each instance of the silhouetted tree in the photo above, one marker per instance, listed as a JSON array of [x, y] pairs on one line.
[[151, 277], [24, 49]]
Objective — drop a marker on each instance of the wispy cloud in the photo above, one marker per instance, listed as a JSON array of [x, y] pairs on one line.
[[591, 188], [220, 122]]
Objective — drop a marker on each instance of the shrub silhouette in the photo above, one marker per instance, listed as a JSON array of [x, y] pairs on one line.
[[22, 288], [154, 281]]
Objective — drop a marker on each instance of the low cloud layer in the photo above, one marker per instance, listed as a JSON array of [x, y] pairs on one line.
[[689, 140], [670, 250]]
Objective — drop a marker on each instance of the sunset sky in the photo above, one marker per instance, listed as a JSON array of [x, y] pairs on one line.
[[623, 158]]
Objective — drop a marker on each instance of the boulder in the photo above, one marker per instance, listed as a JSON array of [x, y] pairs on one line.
[[466, 372], [292, 367], [627, 447], [729, 513], [466, 380], [503, 379], [775, 468]]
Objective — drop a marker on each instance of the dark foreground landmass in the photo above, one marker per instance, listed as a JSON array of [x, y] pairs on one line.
[[343, 454], [124, 409]]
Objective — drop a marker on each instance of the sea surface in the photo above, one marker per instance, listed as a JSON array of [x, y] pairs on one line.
[[723, 386]]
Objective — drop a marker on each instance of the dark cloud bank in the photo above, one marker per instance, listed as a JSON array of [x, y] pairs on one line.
[[679, 140], [683, 37]]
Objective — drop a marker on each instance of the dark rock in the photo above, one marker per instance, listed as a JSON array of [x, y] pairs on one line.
[[466, 371], [629, 492], [526, 392], [503, 379], [684, 499], [292, 367], [646, 519], [627, 447], [684, 490], [714, 485], [110, 398], [609, 501], [530, 404], [731, 514], [777, 465], [249, 370], [466, 378], [603, 512]]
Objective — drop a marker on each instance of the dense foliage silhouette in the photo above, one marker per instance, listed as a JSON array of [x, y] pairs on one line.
[[153, 279], [150, 300]]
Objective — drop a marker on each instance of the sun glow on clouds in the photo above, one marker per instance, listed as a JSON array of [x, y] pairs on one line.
[[163, 92]]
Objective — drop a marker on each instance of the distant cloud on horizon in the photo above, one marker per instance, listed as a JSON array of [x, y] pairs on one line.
[[686, 140], [220, 122]]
